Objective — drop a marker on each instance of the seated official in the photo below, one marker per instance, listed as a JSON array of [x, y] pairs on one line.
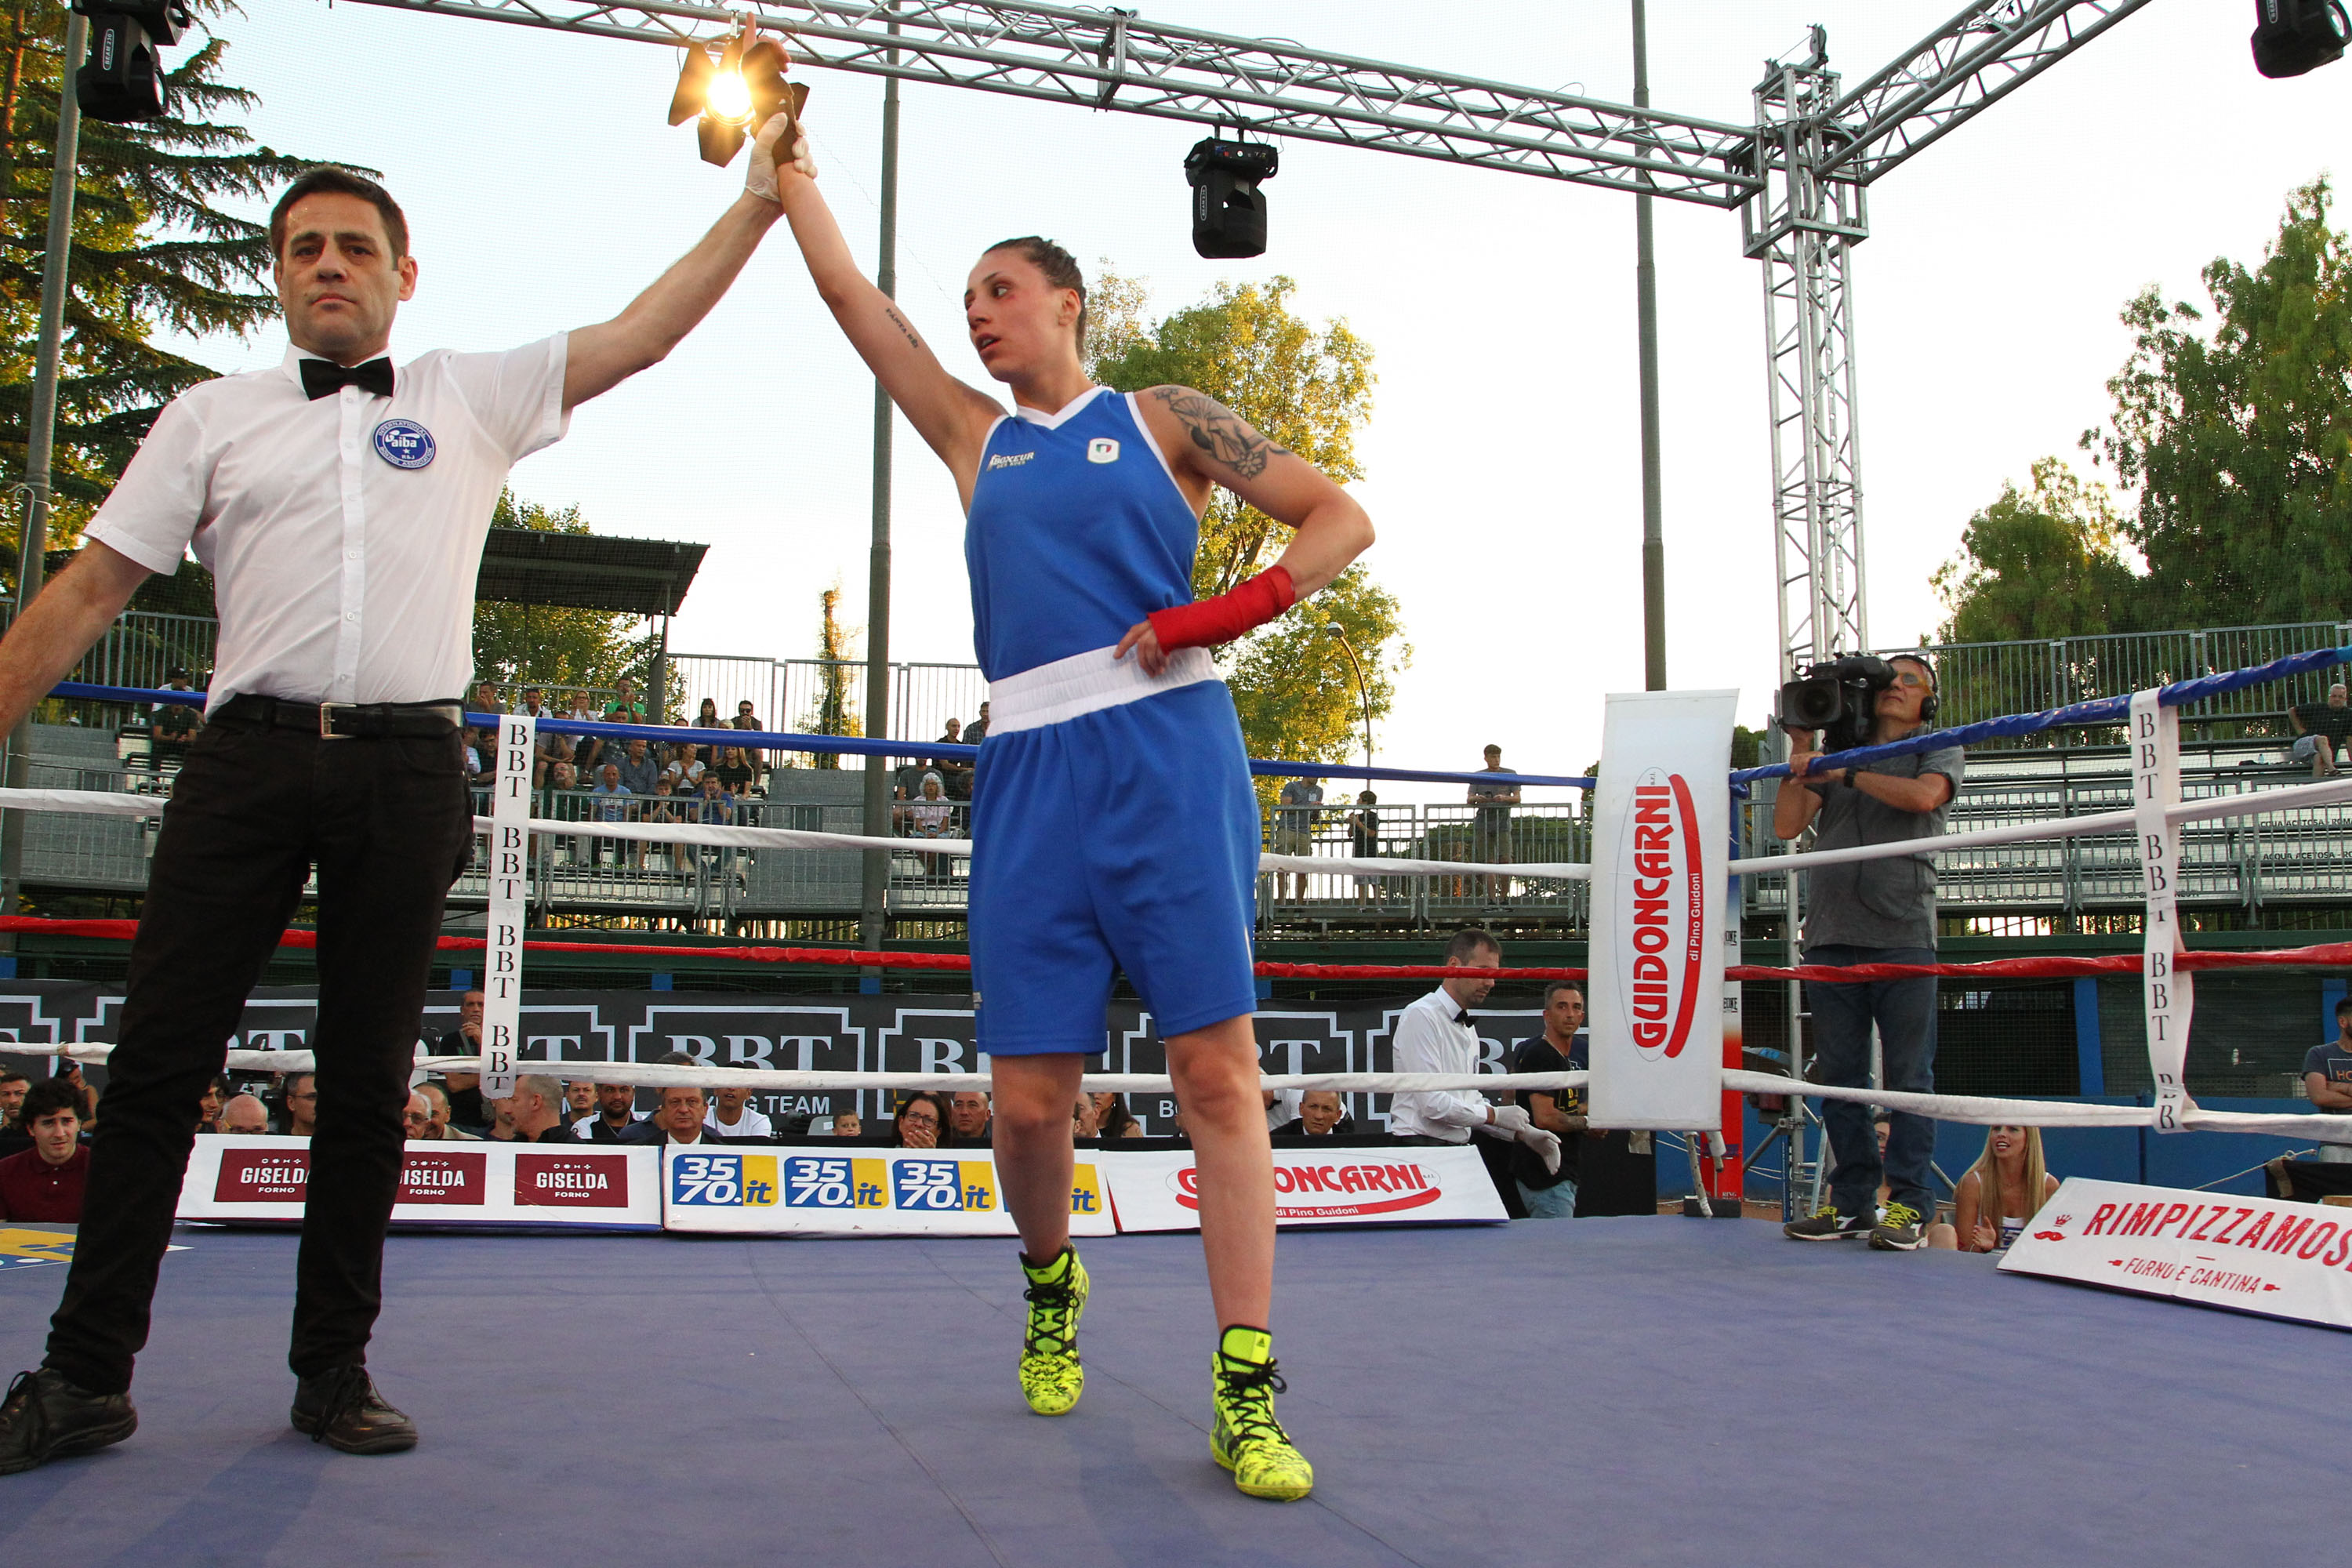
[[417, 1119], [208, 1105], [1112, 1117], [971, 1113], [443, 1128], [730, 1116], [245, 1115], [1321, 1115], [1999, 1195], [616, 1112], [677, 1118], [922, 1121], [13, 1087], [533, 1113], [45, 1182]]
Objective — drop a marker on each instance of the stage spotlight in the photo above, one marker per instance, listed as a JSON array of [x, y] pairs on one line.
[[734, 94], [122, 79], [2291, 36], [1228, 208]]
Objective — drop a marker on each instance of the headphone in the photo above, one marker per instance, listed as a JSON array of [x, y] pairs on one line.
[[1927, 708]]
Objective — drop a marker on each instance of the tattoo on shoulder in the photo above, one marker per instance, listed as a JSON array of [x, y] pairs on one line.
[[1220, 432], [901, 323]]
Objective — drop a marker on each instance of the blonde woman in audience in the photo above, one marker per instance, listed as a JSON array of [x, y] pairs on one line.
[[2005, 1188]]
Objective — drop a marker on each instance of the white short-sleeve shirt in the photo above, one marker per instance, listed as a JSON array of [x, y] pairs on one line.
[[344, 535]]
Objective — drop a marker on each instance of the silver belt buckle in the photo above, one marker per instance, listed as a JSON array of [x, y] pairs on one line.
[[327, 722]]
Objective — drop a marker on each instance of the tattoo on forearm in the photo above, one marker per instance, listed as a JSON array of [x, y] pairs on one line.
[[898, 321], [1220, 432]]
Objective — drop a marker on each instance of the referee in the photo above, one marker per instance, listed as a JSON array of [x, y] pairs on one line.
[[341, 505]]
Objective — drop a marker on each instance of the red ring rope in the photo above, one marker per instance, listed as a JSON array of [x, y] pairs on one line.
[[2327, 954]]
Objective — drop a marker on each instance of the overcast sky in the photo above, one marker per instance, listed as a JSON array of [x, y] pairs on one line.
[[543, 190]]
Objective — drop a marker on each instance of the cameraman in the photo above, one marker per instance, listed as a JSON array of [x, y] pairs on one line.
[[1873, 911]]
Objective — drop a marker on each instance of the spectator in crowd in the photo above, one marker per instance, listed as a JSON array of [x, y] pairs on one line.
[[663, 807], [69, 1071], [245, 1115], [495, 1129], [444, 1129], [928, 816], [481, 762], [208, 1104], [552, 749], [562, 778], [301, 1116], [484, 699], [616, 1112], [1997, 1196], [1548, 1193], [587, 751], [533, 1113], [684, 769], [708, 718], [1293, 829], [1321, 1113], [1490, 833], [611, 800], [1364, 844], [969, 1114], [579, 1100], [976, 731], [533, 704], [45, 1182], [2320, 728], [625, 707], [1434, 1034], [745, 719], [846, 1124], [1873, 911], [416, 1118], [716, 807], [955, 775], [464, 1088], [13, 1085], [1085, 1118], [2327, 1079], [172, 725], [921, 1122], [677, 1118], [731, 1116], [637, 769], [734, 771], [1114, 1119]]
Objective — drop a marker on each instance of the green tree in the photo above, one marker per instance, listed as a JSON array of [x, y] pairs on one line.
[[552, 645], [1308, 388], [2041, 563], [150, 250], [2239, 442], [833, 713]]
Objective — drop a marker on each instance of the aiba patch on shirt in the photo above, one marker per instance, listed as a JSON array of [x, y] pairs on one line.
[[404, 443]]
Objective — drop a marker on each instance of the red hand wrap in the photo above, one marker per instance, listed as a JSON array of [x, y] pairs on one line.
[[1210, 622]]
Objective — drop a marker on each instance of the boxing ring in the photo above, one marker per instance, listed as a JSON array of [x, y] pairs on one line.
[[1623, 1392]]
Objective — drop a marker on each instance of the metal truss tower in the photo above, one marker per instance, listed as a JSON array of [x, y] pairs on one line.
[[1799, 174]]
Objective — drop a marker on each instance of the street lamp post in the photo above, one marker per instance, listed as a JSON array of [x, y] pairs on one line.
[[1363, 692]]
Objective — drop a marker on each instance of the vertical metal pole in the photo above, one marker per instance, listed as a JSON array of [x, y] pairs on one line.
[[1646, 305], [40, 431], [874, 907]]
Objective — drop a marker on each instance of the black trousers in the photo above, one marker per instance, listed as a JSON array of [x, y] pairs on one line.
[[388, 823]]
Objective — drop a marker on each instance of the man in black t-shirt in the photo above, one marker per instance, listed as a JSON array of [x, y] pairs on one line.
[[1549, 1196], [2327, 1079], [2322, 727]]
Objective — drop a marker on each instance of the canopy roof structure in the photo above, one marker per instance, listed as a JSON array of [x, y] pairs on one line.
[[587, 570]]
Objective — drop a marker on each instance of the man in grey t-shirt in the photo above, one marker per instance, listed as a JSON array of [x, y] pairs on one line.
[[1873, 911]]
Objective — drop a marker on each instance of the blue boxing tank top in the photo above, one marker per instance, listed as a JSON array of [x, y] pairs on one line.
[[1076, 532]]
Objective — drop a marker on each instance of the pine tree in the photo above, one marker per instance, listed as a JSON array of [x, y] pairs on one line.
[[150, 250]]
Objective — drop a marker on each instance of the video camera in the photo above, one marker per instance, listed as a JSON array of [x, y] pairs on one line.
[[1838, 698]]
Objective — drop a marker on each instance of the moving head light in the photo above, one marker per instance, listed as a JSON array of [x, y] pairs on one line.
[[2291, 36], [1228, 208], [122, 79], [1839, 699]]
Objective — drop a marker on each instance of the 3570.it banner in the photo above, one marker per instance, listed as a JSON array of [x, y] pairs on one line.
[[898, 1192]]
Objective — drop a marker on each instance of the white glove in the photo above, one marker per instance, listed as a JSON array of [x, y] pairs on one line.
[[1546, 1148], [1508, 1121], [759, 174]]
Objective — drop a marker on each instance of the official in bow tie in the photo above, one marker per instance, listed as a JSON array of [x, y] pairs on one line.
[[341, 505], [1434, 1035]]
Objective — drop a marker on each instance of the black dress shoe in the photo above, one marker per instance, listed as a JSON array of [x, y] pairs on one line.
[[342, 1409], [44, 1417]]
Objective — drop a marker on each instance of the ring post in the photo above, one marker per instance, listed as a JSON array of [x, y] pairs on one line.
[[2166, 990], [509, 889]]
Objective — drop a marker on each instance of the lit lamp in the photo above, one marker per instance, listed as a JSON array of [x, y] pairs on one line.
[[738, 92]]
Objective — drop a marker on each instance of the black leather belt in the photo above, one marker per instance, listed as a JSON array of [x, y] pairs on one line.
[[344, 720]]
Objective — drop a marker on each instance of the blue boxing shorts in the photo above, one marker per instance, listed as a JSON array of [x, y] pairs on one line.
[[1125, 837]]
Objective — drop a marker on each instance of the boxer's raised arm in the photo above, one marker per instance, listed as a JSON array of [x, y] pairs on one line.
[[599, 358]]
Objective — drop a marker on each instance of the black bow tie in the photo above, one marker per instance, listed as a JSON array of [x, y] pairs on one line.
[[1463, 1017], [320, 378]]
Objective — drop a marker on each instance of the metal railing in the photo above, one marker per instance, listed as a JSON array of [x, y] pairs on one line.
[[1986, 681], [811, 695]]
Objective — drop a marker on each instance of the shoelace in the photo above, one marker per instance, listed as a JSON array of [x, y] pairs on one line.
[[351, 1389], [1250, 1390], [1054, 1299], [24, 1399], [1827, 1211], [1901, 1215]]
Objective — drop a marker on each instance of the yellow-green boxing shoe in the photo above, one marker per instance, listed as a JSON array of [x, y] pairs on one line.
[[1051, 1377], [1247, 1440]]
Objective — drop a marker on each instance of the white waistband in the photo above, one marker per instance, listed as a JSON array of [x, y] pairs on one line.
[[1086, 683]]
